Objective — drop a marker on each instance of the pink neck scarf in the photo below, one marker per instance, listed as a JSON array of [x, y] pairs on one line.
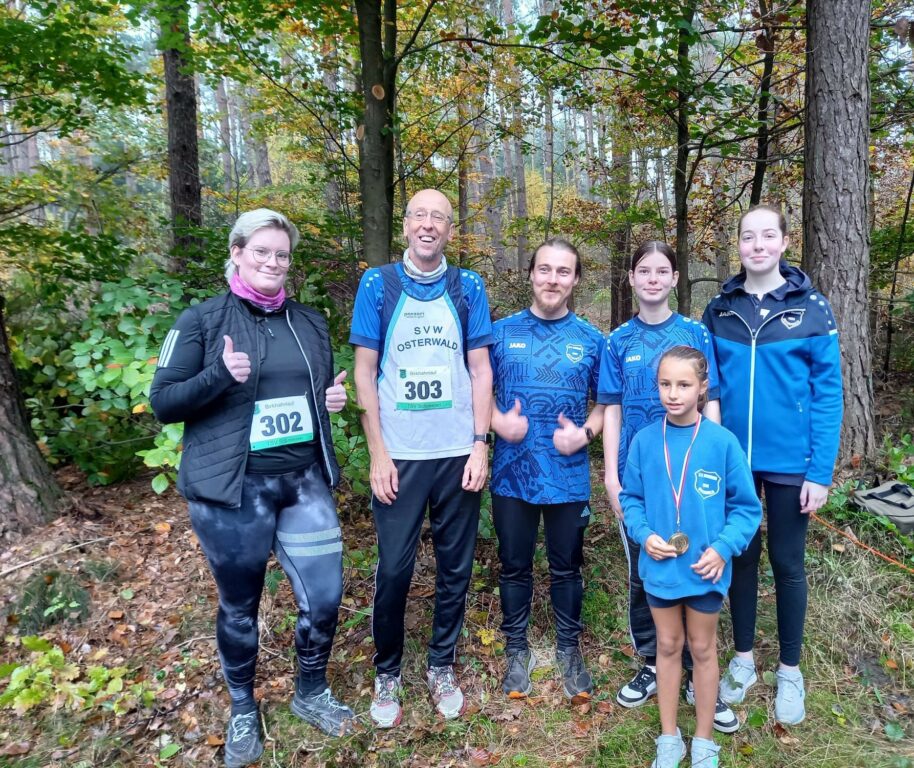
[[244, 291]]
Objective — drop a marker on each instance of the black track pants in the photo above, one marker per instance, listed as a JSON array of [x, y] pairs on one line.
[[786, 551], [517, 524], [294, 516], [640, 620], [435, 484]]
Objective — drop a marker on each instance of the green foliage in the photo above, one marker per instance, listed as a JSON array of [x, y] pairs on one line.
[[49, 680], [49, 598], [83, 66], [899, 457], [86, 381]]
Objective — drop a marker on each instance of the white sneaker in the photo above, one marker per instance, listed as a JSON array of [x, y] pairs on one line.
[[446, 693], [739, 678], [386, 711]]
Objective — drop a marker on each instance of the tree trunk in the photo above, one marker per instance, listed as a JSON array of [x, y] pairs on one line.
[[680, 180], [835, 232], [377, 45], [620, 290], [225, 136], [328, 67], [493, 205], [766, 39], [29, 495], [548, 154], [520, 180], [183, 153]]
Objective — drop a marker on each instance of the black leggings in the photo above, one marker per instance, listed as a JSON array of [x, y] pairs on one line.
[[517, 523], [786, 551], [294, 516]]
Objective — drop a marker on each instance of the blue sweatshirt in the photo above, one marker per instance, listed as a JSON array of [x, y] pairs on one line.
[[780, 375], [719, 508]]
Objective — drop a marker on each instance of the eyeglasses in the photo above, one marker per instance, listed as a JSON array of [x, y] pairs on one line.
[[422, 215], [262, 255]]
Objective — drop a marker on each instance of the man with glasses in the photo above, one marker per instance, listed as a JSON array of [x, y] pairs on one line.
[[421, 331]]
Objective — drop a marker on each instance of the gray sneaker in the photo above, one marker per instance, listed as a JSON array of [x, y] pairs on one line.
[[789, 706], [704, 753], [324, 711], [517, 683], [737, 680], [577, 681], [243, 744], [670, 750]]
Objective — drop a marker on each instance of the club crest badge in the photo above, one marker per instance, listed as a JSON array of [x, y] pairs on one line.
[[707, 484], [791, 320], [574, 352]]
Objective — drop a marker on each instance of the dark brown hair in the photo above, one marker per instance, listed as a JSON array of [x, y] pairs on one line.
[[561, 244], [699, 365], [775, 209], [650, 247]]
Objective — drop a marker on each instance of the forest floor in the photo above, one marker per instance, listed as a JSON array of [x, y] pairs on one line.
[[152, 608]]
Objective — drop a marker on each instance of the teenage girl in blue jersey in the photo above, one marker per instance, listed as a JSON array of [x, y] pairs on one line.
[[777, 348], [690, 503], [628, 388]]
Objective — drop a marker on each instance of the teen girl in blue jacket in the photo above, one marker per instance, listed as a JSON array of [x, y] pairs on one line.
[[777, 352]]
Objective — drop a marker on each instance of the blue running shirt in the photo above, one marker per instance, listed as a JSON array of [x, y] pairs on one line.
[[551, 366], [628, 370]]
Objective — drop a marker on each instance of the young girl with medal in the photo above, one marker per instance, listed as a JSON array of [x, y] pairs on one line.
[[690, 503]]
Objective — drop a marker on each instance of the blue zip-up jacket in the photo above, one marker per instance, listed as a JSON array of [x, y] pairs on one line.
[[719, 506], [780, 375]]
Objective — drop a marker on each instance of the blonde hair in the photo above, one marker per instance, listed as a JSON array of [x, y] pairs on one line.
[[248, 223]]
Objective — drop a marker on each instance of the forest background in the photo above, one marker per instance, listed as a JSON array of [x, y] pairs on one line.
[[133, 133]]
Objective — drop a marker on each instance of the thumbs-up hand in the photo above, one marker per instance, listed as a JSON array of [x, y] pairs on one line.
[[510, 425], [237, 363], [335, 396], [568, 438]]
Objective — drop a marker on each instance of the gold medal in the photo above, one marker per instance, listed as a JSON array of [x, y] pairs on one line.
[[679, 541]]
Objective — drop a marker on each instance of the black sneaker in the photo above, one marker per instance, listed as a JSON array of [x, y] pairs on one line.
[[725, 719], [243, 744], [578, 684], [641, 687], [323, 711], [517, 683]]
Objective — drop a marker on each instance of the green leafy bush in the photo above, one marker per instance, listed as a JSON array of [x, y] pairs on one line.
[[86, 381], [47, 679]]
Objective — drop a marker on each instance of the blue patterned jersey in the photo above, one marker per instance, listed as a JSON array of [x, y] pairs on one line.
[[551, 366], [628, 370]]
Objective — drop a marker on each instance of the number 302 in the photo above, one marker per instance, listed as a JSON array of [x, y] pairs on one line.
[[423, 390], [283, 423]]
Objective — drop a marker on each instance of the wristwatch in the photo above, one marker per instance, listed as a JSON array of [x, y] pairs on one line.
[[589, 432], [484, 438]]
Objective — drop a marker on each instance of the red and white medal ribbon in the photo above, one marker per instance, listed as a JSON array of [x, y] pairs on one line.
[[677, 492]]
